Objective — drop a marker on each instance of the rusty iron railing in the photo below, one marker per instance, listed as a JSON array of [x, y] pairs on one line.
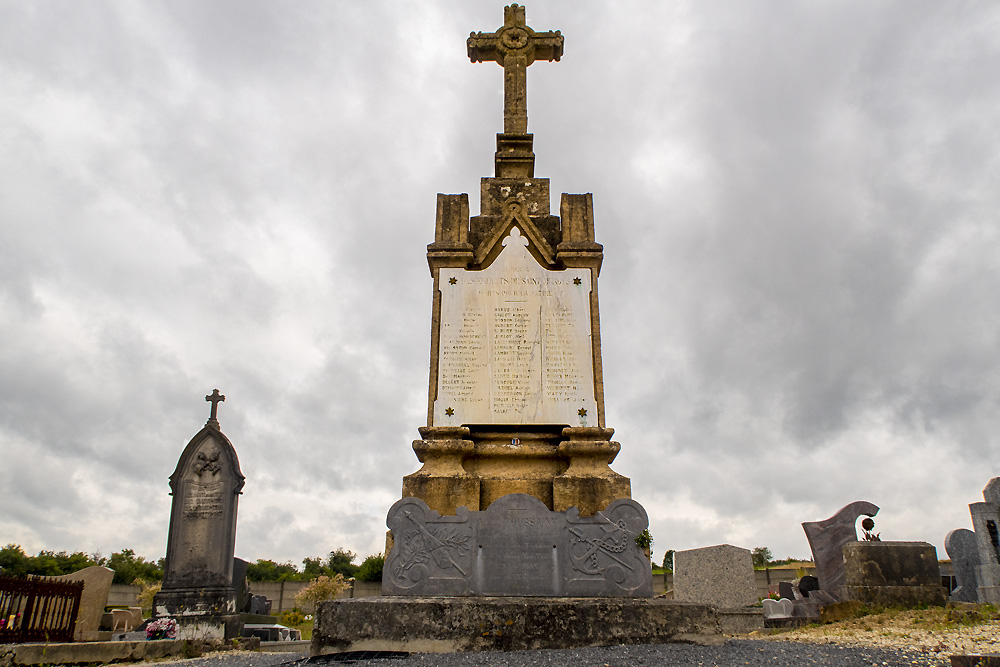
[[36, 609]]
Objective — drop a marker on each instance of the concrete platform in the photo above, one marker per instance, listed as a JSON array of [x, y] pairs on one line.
[[104, 652], [451, 625]]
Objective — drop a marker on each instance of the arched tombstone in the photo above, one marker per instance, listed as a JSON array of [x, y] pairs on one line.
[[198, 574], [827, 539], [964, 555]]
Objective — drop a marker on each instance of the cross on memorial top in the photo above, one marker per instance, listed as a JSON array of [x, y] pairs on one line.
[[214, 398], [515, 46]]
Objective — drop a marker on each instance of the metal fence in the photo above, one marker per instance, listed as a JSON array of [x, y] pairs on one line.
[[35, 609]]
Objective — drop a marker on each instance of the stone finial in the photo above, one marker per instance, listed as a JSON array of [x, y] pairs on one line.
[[214, 398]]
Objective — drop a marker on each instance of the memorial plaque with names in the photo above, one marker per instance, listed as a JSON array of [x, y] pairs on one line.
[[517, 547], [515, 343]]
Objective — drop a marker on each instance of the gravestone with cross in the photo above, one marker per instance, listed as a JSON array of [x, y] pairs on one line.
[[198, 570], [516, 391]]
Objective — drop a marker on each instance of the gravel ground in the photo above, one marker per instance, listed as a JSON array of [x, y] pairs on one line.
[[734, 652], [917, 637]]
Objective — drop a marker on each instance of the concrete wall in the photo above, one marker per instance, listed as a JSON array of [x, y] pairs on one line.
[[123, 595], [282, 593]]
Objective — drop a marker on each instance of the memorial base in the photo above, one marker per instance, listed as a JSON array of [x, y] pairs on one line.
[[201, 613], [452, 625], [896, 596]]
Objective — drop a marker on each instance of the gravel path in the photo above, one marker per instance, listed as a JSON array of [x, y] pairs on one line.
[[748, 652]]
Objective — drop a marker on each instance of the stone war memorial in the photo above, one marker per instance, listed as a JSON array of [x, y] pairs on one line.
[[198, 586], [515, 533]]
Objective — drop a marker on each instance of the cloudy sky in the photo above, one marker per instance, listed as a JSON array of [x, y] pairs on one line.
[[798, 204]]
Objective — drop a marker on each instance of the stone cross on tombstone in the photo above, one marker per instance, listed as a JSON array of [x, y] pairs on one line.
[[515, 46], [214, 398], [198, 572]]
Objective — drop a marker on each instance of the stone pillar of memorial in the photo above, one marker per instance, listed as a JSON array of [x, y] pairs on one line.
[[198, 573], [516, 391]]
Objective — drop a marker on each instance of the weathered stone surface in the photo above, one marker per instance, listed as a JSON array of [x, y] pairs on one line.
[[839, 611], [198, 572], [976, 660], [963, 551], [891, 564], [827, 539], [515, 46], [96, 584], [986, 522], [105, 652], [516, 547], [892, 573], [435, 625], [720, 575]]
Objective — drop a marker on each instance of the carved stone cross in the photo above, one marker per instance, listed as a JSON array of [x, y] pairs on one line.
[[515, 46], [215, 398]]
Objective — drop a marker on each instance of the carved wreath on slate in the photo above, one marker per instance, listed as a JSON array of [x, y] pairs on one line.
[[446, 547], [209, 463]]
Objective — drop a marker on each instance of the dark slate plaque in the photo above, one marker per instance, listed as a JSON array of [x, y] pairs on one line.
[[517, 547], [518, 543]]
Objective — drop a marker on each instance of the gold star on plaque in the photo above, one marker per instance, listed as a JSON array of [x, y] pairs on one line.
[[582, 412], [450, 411], [577, 281], [452, 280]]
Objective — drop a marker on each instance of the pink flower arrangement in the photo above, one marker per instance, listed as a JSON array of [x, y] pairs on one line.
[[162, 628]]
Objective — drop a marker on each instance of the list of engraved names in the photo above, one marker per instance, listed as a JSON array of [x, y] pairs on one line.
[[515, 344]]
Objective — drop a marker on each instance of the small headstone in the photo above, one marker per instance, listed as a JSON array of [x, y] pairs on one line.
[[721, 576], [96, 585], [827, 539], [241, 585], [964, 554], [260, 605], [198, 572], [786, 590], [808, 584], [778, 608]]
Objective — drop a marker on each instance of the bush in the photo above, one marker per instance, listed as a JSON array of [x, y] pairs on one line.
[[292, 617], [321, 588], [371, 568]]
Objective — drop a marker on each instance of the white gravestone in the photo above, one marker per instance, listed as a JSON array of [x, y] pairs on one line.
[[515, 343]]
